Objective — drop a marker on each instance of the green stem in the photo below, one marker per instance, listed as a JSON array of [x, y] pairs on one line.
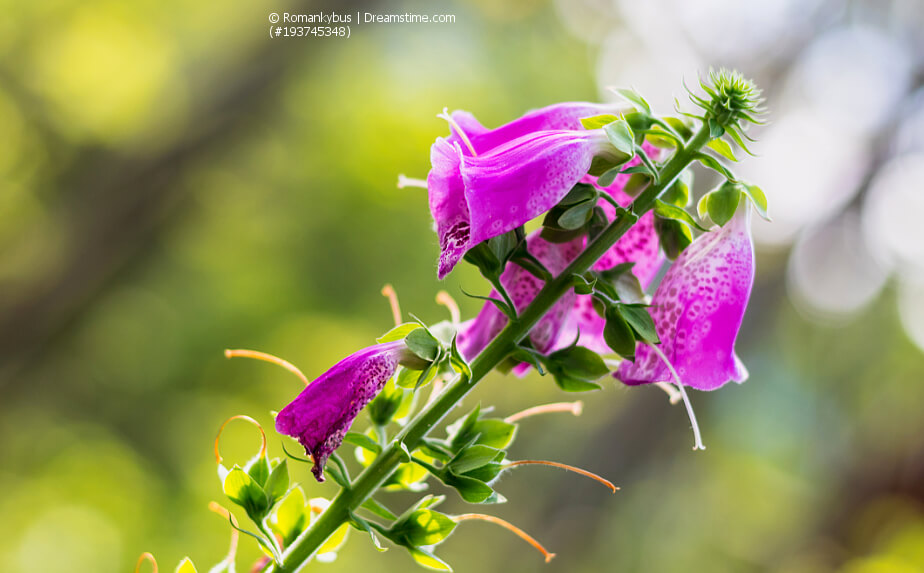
[[348, 500]]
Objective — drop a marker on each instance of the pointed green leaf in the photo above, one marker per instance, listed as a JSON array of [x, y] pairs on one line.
[[722, 147], [621, 136], [668, 211], [398, 332], [598, 121], [618, 334], [758, 199], [428, 560], [640, 320]]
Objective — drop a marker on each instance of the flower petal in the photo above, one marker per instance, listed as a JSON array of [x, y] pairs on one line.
[[698, 309], [447, 204], [320, 416], [520, 180]]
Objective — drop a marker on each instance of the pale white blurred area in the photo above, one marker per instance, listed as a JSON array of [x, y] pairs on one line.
[[809, 170], [892, 212], [832, 274], [911, 310]]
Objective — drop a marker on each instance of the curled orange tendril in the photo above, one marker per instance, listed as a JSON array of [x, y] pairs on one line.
[[232, 550], [585, 473], [389, 292], [446, 300], [508, 526], [218, 457], [574, 407], [146, 557], [257, 355]]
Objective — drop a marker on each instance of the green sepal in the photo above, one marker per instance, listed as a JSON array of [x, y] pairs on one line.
[[598, 121], [634, 98], [421, 527], [582, 285], [377, 509], [722, 147], [577, 216], [470, 489], [640, 320], [428, 560], [621, 137], [575, 368], [673, 236], [679, 192], [244, 491], [618, 334], [474, 457], [258, 468], [291, 516], [423, 344], [580, 193], [722, 202], [363, 525], [716, 165], [398, 332], [669, 211], [757, 198], [277, 484]]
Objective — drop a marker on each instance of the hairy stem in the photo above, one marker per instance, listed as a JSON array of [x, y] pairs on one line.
[[348, 500]]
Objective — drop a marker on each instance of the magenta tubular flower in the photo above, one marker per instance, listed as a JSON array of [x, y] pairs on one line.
[[698, 309], [522, 287], [484, 182], [320, 416]]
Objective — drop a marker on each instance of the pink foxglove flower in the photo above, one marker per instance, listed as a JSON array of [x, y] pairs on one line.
[[522, 287], [320, 416], [484, 183], [698, 309]]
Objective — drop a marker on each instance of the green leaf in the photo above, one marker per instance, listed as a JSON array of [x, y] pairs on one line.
[[680, 126], [428, 560], [598, 121], [487, 472], [258, 468], [471, 490], [576, 217], [580, 193], [243, 490], [423, 344], [674, 237], [758, 199], [640, 320], [668, 211], [722, 147], [277, 483], [378, 509], [581, 284], [291, 516], [569, 384], [679, 192], [423, 527], [606, 178], [715, 129], [621, 136], [634, 98], [363, 525], [386, 405], [714, 164], [398, 332], [723, 202], [363, 441], [618, 334], [577, 362], [185, 566], [474, 457]]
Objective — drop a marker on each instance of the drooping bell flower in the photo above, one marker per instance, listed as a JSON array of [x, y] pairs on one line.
[[522, 286], [483, 183], [320, 416], [698, 309]]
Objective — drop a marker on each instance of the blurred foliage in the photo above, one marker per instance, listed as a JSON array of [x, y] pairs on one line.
[[175, 183]]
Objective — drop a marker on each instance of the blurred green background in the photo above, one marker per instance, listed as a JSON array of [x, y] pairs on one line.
[[173, 182]]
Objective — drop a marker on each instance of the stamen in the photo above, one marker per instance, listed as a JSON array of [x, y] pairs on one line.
[[697, 439], [585, 473], [672, 393], [232, 549], [146, 557], [574, 407], [257, 355], [446, 300], [405, 181], [508, 526], [389, 291], [445, 115], [218, 457]]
